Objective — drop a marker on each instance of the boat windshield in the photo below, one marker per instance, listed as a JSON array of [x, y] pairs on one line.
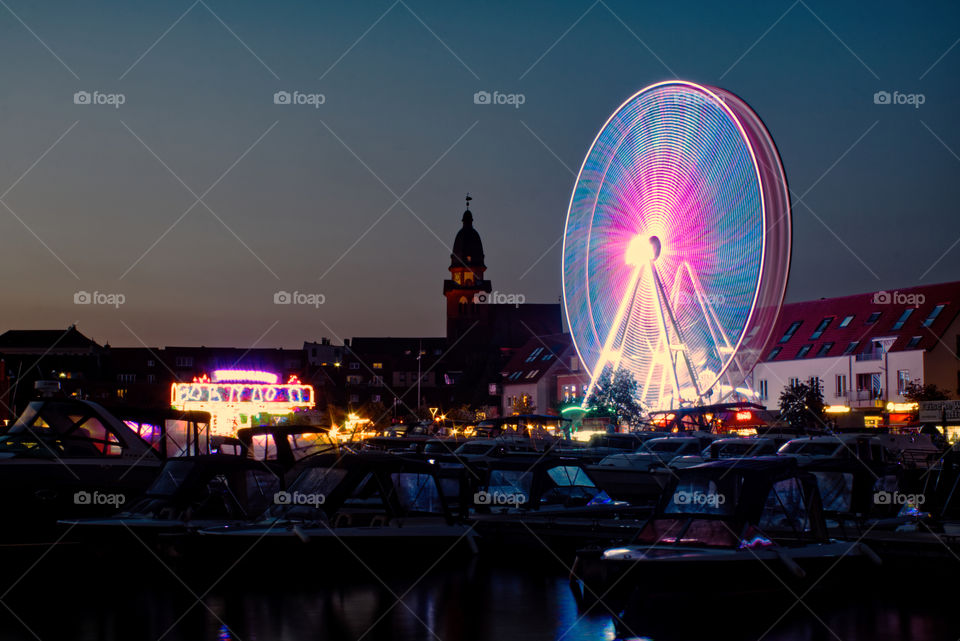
[[473, 448], [705, 494], [306, 443], [511, 482], [811, 448], [688, 531], [785, 509], [307, 494], [836, 490], [744, 448], [663, 446], [417, 492], [172, 476], [50, 429]]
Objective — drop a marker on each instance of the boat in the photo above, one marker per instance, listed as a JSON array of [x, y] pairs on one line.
[[72, 458], [356, 507], [189, 494], [910, 450], [639, 477], [747, 528], [549, 505], [732, 447]]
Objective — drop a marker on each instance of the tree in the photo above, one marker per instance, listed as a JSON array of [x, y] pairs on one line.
[[916, 391], [524, 405], [377, 412], [616, 392], [801, 402]]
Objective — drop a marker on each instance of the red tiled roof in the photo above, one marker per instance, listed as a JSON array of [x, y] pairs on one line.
[[529, 363], [890, 305]]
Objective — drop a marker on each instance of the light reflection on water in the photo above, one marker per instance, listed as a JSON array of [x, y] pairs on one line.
[[476, 603]]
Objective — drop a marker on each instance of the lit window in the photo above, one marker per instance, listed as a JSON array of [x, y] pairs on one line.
[[841, 385], [933, 315], [378, 366], [903, 379], [790, 331], [804, 351], [903, 318], [824, 349], [818, 332], [846, 320], [873, 318]]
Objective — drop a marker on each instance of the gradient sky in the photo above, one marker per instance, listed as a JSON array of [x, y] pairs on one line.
[[308, 207]]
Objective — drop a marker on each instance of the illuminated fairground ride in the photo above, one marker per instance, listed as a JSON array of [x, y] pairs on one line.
[[676, 250], [239, 398]]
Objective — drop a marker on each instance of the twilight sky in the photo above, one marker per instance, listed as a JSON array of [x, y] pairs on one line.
[[199, 198]]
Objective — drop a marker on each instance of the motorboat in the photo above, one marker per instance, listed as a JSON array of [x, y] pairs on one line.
[[911, 450], [72, 458], [744, 527], [732, 447], [549, 505], [659, 452], [639, 477], [355, 506], [189, 494]]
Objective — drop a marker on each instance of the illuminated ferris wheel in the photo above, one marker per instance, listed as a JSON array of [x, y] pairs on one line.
[[676, 249]]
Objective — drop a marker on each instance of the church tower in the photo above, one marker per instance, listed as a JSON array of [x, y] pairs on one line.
[[466, 290]]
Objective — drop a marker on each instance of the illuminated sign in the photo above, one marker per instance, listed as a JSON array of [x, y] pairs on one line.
[[244, 376], [234, 396], [902, 407], [253, 393], [744, 416], [836, 409]]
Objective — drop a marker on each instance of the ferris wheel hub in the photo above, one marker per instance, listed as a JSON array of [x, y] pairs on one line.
[[643, 249]]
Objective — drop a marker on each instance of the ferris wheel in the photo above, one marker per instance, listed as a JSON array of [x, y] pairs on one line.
[[676, 249]]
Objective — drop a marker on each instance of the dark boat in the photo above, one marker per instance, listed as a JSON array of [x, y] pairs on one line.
[[70, 458], [354, 507], [189, 494], [745, 527], [549, 505]]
